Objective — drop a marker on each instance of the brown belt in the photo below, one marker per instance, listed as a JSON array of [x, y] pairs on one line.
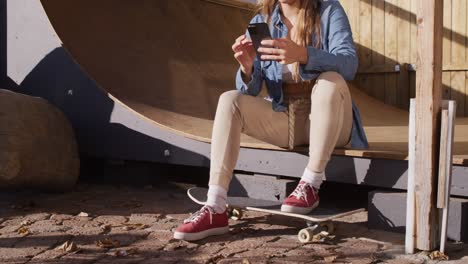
[[302, 90], [297, 96]]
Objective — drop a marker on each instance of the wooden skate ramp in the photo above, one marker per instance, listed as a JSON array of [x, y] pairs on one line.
[[169, 60]]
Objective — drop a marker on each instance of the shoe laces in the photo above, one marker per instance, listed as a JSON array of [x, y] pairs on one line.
[[300, 192], [195, 217]]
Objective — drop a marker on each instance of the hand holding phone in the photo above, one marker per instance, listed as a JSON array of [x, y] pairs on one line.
[[259, 32]]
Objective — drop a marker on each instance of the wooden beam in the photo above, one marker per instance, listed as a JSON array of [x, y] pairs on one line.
[[379, 68], [234, 3], [448, 67], [428, 107]]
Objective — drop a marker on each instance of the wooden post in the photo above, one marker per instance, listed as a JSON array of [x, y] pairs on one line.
[[428, 107]]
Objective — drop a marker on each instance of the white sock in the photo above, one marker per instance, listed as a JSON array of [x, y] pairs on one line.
[[313, 178], [217, 198]]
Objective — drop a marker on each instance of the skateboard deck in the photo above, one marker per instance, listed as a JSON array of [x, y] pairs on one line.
[[318, 215]]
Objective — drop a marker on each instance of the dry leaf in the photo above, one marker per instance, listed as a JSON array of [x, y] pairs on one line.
[[106, 228], [330, 259], [437, 255], [24, 231], [69, 247], [83, 214], [320, 237], [107, 243], [26, 223], [245, 261], [126, 253]]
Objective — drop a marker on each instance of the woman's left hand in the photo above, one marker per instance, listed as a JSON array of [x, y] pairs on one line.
[[284, 50]]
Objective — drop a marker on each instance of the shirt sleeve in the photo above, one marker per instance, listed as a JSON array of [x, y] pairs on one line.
[[341, 55], [254, 86]]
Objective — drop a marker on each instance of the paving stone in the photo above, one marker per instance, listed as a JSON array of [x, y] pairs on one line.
[[163, 227], [114, 220], [253, 260], [353, 247], [239, 246], [211, 249], [120, 260], [128, 237], [173, 257], [82, 226], [146, 219], [81, 258], [149, 248], [255, 253], [297, 259], [87, 244], [42, 242], [178, 245], [49, 255], [7, 241], [14, 223], [164, 260], [269, 249], [59, 218], [11, 225], [163, 235], [14, 261], [36, 217], [18, 253], [47, 226], [403, 261]]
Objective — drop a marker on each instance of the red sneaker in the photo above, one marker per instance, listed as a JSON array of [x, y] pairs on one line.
[[302, 200], [202, 224]]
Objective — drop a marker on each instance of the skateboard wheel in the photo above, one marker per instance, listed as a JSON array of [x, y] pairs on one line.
[[306, 235], [235, 214]]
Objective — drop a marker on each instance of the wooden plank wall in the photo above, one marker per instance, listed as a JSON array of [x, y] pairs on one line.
[[385, 36]]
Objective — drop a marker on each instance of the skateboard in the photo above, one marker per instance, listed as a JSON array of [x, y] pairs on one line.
[[319, 220]]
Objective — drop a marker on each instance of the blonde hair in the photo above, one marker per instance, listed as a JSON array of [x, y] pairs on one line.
[[308, 24]]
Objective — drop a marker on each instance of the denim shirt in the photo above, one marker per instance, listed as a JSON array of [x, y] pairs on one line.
[[337, 54]]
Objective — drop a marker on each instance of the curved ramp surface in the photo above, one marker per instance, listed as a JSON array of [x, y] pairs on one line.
[[169, 60]]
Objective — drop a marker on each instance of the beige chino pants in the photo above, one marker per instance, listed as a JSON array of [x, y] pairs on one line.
[[328, 126]]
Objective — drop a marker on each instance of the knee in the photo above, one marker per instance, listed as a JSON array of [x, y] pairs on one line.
[[329, 88], [229, 99]]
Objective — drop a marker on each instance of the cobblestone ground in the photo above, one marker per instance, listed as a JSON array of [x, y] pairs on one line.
[[112, 224]]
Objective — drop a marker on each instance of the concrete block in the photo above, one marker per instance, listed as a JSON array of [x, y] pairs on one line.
[[387, 211], [262, 187]]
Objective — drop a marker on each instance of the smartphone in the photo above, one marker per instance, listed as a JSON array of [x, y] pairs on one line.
[[259, 32]]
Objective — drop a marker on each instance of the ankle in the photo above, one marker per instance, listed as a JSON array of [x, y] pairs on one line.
[[217, 198], [315, 179]]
